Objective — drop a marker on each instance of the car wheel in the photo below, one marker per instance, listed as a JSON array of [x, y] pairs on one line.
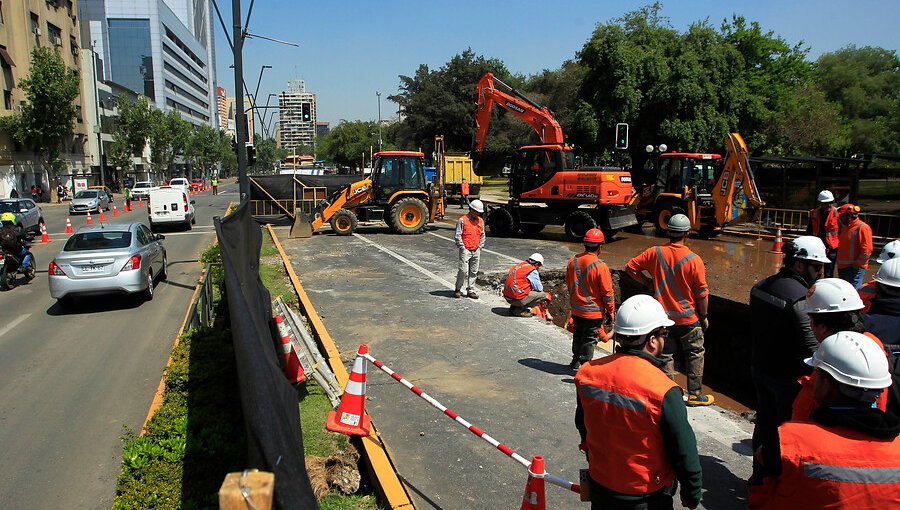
[[148, 294]]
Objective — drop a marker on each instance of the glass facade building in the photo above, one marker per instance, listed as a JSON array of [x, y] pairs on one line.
[[131, 55]]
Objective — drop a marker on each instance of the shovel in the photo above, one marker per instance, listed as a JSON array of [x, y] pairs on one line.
[[302, 227]]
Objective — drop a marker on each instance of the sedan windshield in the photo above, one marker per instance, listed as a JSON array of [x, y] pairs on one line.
[[105, 240], [91, 193]]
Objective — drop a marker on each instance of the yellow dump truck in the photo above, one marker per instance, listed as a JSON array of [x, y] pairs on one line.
[[456, 169]]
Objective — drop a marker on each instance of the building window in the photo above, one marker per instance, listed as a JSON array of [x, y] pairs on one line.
[[1, 12], [36, 28], [54, 33], [7, 99], [78, 113], [73, 45], [131, 60]]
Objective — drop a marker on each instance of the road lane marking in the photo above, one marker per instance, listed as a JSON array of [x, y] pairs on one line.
[[408, 262], [15, 322], [507, 257]]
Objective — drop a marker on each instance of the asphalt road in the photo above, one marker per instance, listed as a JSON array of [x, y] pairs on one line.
[[72, 381]]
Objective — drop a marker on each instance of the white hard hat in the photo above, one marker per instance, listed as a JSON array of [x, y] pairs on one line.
[[890, 250], [825, 196], [807, 248], [678, 223], [830, 295], [640, 315], [476, 206], [537, 257], [853, 359], [889, 273]]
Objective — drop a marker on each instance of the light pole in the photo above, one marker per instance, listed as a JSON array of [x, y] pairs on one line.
[[378, 94]]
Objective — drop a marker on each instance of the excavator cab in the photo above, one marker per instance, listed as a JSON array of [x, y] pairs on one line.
[[535, 165]]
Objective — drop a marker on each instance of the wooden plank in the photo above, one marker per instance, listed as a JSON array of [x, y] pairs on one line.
[[249, 489]]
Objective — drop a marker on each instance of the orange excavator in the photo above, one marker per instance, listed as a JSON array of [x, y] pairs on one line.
[[545, 187]]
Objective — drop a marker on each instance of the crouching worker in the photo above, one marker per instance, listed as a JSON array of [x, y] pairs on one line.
[[633, 420], [523, 288]]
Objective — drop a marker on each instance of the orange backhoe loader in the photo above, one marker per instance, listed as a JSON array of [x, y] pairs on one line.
[[397, 193], [545, 187], [702, 186]]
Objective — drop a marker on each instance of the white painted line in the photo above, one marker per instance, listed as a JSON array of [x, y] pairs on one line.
[[15, 322], [507, 257], [408, 262]]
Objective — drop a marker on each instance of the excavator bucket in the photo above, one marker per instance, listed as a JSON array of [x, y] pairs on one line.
[[302, 227]]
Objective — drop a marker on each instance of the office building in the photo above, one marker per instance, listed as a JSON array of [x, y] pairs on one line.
[[222, 107], [162, 49], [248, 116], [321, 129], [297, 117]]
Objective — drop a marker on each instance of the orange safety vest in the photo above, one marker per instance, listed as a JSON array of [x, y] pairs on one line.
[[464, 188], [517, 285], [591, 294], [805, 401], [855, 246], [831, 468], [622, 396], [471, 233], [679, 279], [831, 238], [867, 293]]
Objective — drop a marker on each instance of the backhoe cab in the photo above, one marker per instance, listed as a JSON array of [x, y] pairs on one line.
[[397, 193]]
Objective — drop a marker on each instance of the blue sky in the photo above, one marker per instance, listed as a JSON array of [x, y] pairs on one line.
[[351, 49]]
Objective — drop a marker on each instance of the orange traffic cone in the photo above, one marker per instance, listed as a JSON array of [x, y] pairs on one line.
[[350, 417], [69, 226], [534, 498], [292, 369], [89, 220], [44, 237], [779, 242], [102, 216], [141, 202], [115, 211]]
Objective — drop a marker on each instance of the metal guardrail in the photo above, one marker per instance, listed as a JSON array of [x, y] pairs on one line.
[[200, 314], [885, 227]]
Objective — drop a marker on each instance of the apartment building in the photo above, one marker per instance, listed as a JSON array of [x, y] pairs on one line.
[[297, 116]]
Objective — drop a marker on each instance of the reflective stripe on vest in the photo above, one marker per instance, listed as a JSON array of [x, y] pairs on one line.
[[852, 474], [582, 287], [669, 280], [832, 228], [853, 242], [616, 399], [514, 279]]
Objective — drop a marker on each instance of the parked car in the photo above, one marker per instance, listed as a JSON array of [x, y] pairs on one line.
[[197, 184], [180, 182], [170, 206], [106, 190], [29, 215], [89, 200], [108, 259], [141, 189]]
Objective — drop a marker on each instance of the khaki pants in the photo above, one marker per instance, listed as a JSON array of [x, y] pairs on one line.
[[467, 269], [687, 341], [533, 298]]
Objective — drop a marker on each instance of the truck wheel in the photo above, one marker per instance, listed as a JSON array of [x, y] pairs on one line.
[[531, 228], [343, 222], [577, 224], [502, 222], [409, 216]]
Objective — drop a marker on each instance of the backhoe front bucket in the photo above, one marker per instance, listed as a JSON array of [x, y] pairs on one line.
[[302, 227]]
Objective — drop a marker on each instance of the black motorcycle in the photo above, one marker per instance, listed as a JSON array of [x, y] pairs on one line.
[[11, 266]]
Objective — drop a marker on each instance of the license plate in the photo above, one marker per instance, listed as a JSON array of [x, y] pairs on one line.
[[91, 269]]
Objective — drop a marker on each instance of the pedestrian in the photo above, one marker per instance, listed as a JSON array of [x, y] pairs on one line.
[[127, 199], [782, 336], [59, 193], [463, 193], [523, 287], [215, 185], [469, 241], [833, 305], [592, 299], [883, 317], [848, 455], [632, 418], [855, 245], [34, 193], [823, 223], [678, 281], [869, 290]]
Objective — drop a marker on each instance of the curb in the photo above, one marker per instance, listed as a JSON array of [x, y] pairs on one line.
[[374, 450]]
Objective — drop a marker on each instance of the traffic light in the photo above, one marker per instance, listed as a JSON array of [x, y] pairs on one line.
[[621, 136], [307, 115], [251, 155]]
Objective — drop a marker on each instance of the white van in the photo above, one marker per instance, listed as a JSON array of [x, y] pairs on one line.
[[168, 206]]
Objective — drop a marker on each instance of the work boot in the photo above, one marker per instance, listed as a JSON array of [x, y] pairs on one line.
[[457, 294], [524, 312], [575, 364], [699, 399], [472, 295]]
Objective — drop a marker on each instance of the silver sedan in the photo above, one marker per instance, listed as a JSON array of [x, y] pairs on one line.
[[109, 259], [89, 200]]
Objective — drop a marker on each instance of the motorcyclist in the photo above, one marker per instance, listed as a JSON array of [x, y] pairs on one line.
[[13, 238]]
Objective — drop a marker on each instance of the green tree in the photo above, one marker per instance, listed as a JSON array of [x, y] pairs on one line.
[[48, 115], [133, 123], [229, 157], [120, 154], [808, 123], [863, 82], [203, 149], [347, 143], [168, 133], [267, 154]]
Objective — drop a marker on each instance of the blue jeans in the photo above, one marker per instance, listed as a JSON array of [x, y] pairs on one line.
[[26, 257], [852, 275]]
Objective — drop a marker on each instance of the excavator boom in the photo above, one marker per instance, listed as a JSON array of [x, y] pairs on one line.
[[736, 169]]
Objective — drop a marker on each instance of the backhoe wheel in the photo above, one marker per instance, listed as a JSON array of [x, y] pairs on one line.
[[577, 224], [344, 222], [661, 215], [502, 222], [531, 228], [409, 216]]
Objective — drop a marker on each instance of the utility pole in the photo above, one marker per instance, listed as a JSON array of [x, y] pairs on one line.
[[379, 119], [240, 122]]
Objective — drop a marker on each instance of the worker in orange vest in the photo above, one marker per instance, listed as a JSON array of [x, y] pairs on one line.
[[523, 287], [592, 300], [848, 455], [823, 223], [469, 241], [869, 290], [632, 419], [855, 245], [833, 305], [463, 193], [678, 281]]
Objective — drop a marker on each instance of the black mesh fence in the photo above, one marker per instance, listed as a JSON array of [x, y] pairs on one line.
[[268, 401]]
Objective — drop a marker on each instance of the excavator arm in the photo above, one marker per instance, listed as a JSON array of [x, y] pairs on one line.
[[736, 169], [539, 117]]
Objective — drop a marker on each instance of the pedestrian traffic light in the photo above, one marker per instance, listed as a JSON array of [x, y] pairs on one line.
[[621, 136], [307, 114], [251, 155]]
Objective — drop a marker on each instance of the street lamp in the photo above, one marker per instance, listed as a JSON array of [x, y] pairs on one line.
[[378, 94]]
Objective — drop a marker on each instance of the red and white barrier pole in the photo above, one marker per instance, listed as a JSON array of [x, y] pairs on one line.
[[565, 484]]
